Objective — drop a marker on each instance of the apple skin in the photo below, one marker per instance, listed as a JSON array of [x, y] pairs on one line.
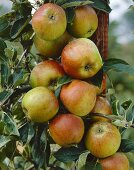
[[66, 129], [103, 139], [85, 22], [117, 161], [102, 106], [49, 21], [52, 49], [78, 97], [46, 74], [81, 59], [40, 104]]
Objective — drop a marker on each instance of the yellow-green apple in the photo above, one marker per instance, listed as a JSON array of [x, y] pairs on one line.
[[81, 59], [40, 104], [47, 74], [102, 106], [49, 21], [118, 161], [103, 139], [52, 48], [66, 129], [78, 97], [85, 22]]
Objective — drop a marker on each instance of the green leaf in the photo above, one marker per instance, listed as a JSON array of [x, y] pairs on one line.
[[5, 95], [76, 3], [101, 5], [5, 73], [92, 164], [4, 140], [39, 147], [118, 65], [26, 133], [3, 24], [97, 79], [64, 80], [19, 77], [57, 91], [126, 104], [11, 127], [82, 161], [127, 145], [18, 27], [68, 154], [114, 104], [3, 45], [70, 14], [22, 8]]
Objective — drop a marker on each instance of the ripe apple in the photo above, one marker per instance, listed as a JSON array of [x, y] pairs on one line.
[[78, 97], [81, 58], [40, 104], [46, 73], [103, 139], [52, 48], [85, 22], [49, 21], [117, 161], [66, 129], [102, 106]]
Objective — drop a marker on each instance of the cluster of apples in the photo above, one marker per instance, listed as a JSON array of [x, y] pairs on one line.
[[80, 59]]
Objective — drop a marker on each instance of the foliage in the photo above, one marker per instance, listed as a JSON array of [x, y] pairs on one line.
[[31, 143]]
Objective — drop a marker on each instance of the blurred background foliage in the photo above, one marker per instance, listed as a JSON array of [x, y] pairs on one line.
[[121, 45]]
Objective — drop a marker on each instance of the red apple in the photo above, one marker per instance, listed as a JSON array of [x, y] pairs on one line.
[[118, 161], [78, 97], [81, 58], [40, 104], [49, 21], [103, 139], [102, 106], [85, 22], [46, 73], [52, 48], [66, 129]]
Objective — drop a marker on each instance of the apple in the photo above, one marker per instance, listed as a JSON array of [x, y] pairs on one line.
[[81, 59], [103, 139], [78, 97], [66, 129], [40, 104], [102, 106], [47, 74], [85, 22], [117, 161], [52, 48], [49, 21]]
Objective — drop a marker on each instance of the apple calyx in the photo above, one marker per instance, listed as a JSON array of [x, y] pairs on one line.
[[87, 67]]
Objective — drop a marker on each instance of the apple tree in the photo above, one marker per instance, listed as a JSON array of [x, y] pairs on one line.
[[60, 123]]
